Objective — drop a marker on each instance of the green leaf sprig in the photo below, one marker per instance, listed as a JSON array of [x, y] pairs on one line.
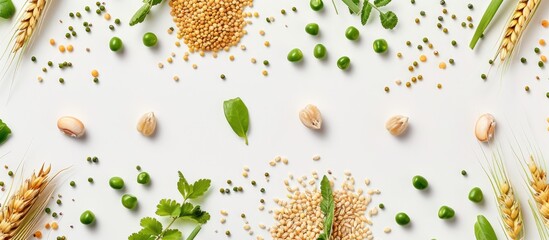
[[485, 21], [5, 132], [484, 230], [327, 206], [142, 13], [152, 229], [237, 116], [389, 19]]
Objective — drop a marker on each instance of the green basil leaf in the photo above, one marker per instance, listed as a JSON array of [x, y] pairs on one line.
[[389, 20], [381, 3], [484, 230], [237, 116], [7, 9], [5, 132], [327, 206], [366, 10], [140, 15]]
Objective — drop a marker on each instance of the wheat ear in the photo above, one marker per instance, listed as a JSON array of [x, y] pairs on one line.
[[17, 210], [540, 189], [510, 212], [515, 28], [28, 23]]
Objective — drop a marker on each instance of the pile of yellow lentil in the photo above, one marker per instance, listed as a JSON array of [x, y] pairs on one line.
[[212, 25]]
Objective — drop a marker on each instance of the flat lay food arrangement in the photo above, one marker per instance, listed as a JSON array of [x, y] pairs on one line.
[[287, 120]]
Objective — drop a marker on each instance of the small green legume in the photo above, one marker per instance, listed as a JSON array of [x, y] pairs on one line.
[[316, 5], [343, 63], [143, 178], [116, 182], [129, 201], [476, 195], [380, 46], [420, 182], [320, 51], [295, 55], [352, 33], [312, 29], [87, 217], [446, 212], [402, 219], [115, 44], [150, 39]]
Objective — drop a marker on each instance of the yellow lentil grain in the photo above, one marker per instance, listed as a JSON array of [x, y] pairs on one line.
[[177, 44], [160, 65], [439, 86], [423, 58], [195, 66], [542, 42], [70, 48], [414, 79], [545, 23], [176, 78], [202, 54], [420, 77], [256, 14], [231, 58], [61, 48], [265, 73], [543, 58], [267, 44], [411, 68], [54, 226], [261, 32], [185, 58], [253, 60], [95, 73], [52, 41], [37, 234], [430, 46], [399, 55], [107, 16], [408, 84], [442, 65], [169, 60]]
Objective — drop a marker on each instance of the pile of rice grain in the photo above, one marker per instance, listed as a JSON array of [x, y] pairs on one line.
[[211, 25], [300, 217]]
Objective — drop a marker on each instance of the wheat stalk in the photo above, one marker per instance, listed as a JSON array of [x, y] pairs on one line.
[[510, 212], [20, 211], [28, 23], [515, 27], [540, 189]]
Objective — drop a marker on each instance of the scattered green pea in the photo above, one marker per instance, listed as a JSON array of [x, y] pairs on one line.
[[402, 219], [294, 9], [454, 43], [222, 76], [33, 58], [111, 27], [129, 201], [446, 212], [483, 76], [343, 63], [422, 13], [295, 55], [150, 39], [71, 14], [537, 50], [420, 182], [90, 180], [266, 62], [87, 217], [87, 8], [312, 29], [78, 15], [470, 6], [523, 60], [50, 63], [463, 172], [116, 44], [72, 184], [380, 46], [476, 195], [352, 33], [320, 51], [381, 206], [143, 178], [117, 21], [316, 5], [61, 80], [451, 61], [116, 182], [541, 64]]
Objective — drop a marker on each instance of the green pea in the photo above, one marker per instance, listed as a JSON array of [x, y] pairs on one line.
[[116, 182], [316, 5], [312, 28], [115, 44], [475, 195], [143, 178], [343, 63], [320, 51], [129, 201], [87, 217], [420, 182], [380, 46], [352, 33], [402, 219], [295, 55], [446, 212], [150, 39]]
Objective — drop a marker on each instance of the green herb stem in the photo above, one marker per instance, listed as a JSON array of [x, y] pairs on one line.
[[194, 232], [374, 6], [352, 6], [335, 7]]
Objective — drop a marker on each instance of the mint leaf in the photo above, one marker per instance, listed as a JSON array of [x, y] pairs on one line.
[[237, 116], [183, 186], [140, 15], [381, 3], [5, 131], [150, 226], [366, 10], [327, 206], [141, 236], [168, 207], [389, 19], [199, 188], [172, 234]]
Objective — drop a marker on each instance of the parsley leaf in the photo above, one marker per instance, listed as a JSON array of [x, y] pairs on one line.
[[151, 226], [366, 10], [237, 115], [199, 188], [168, 207], [388, 20], [195, 213], [141, 236], [172, 234], [327, 206], [183, 186], [381, 3], [5, 132]]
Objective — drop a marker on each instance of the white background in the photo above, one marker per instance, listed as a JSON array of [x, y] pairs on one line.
[[194, 137]]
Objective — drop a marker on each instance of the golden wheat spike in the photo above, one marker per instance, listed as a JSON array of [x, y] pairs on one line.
[[515, 27], [510, 212], [14, 212], [28, 23]]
